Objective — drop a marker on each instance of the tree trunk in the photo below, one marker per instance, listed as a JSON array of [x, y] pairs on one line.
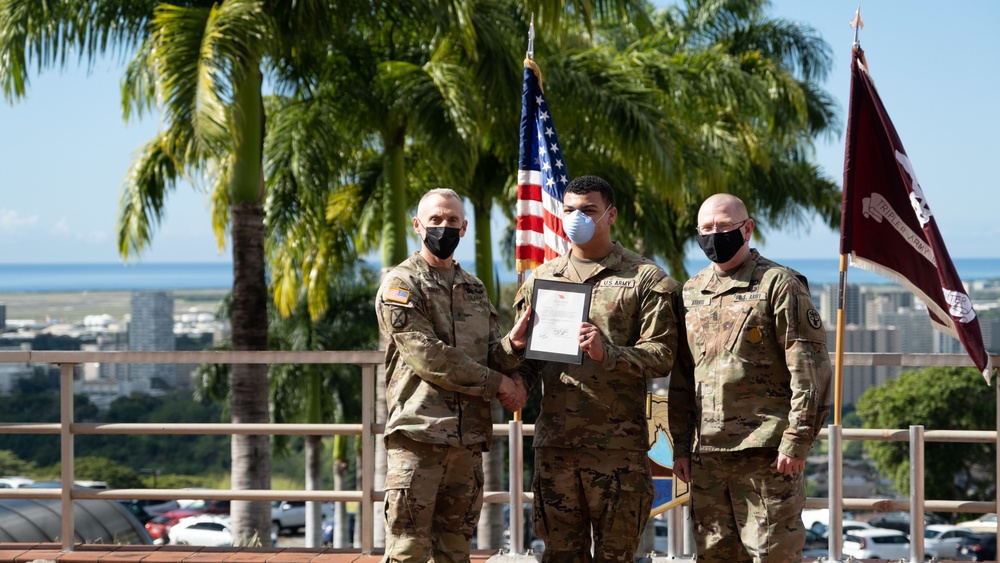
[[491, 523], [251, 455], [394, 204], [484, 248], [341, 527], [314, 481]]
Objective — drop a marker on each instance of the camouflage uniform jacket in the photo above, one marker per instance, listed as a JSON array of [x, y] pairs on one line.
[[762, 372], [635, 306], [443, 344]]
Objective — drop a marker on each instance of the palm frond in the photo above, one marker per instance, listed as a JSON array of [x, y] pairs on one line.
[[141, 206]]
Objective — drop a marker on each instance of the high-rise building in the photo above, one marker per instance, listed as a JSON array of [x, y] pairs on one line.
[[829, 302], [152, 329], [858, 379]]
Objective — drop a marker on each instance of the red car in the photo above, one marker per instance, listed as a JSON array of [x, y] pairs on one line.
[[159, 526]]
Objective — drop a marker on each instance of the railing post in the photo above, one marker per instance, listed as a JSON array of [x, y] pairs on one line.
[[67, 453], [516, 446], [916, 494], [835, 493], [675, 531], [366, 512]]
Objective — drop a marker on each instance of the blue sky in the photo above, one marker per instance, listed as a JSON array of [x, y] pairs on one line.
[[65, 149]]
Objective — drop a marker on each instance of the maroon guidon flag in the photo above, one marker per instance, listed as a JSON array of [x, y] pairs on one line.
[[886, 223]]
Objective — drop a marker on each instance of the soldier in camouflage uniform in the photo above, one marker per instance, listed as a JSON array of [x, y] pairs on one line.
[[591, 439], [743, 425], [443, 363]]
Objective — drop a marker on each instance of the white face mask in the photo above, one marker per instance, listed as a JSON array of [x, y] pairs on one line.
[[579, 227]]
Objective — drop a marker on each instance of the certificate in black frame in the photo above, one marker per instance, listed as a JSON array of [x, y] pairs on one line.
[[571, 325]]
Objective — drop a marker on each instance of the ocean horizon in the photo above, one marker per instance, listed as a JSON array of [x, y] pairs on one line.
[[16, 278]]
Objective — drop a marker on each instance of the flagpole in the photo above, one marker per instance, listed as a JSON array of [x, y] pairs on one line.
[[835, 450], [515, 438], [838, 366]]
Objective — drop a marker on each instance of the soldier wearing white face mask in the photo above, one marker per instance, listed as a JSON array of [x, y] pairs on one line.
[[592, 482]]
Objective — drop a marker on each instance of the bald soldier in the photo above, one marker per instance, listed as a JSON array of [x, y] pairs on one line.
[[744, 423], [444, 362]]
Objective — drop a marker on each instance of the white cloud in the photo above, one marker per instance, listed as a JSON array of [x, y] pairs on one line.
[[61, 227], [12, 221]]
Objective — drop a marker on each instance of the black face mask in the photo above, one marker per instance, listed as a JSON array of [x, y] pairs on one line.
[[721, 247], [442, 241]]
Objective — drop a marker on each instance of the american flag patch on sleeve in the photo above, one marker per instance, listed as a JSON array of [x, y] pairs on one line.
[[398, 295]]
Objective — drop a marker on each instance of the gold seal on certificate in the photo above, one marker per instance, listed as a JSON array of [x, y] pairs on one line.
[[557, 309]]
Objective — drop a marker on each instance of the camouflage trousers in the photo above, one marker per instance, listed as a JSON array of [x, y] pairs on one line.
[[744, 510], [579, 491], [433, 496]]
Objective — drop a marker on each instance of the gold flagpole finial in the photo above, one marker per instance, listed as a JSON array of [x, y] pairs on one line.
[[858, 24]]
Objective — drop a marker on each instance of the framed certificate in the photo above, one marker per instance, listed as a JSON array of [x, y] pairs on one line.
[[557, 309]]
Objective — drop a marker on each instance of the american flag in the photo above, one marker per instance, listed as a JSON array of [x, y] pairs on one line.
[[541, 181]]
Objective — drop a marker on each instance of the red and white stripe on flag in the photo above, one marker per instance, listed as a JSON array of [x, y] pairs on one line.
[[541, 182]]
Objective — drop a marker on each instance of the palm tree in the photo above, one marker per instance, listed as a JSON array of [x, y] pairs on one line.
[[201, 63]]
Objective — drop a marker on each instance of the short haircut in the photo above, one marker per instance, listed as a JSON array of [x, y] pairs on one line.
[[443, 192], [582, 185]]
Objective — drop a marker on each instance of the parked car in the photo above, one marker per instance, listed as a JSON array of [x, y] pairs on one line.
[[205, 529], [145, 509], [878, 543], [900, 520], [848, 526], [14, 482], [159, 526], [942, 540], [291, 515], [978, 547], [985, 523], [661, 538]]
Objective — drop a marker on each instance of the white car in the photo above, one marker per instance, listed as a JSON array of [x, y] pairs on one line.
[[205, 529], [848, 526], [877, 543], [985, 523], [291, 515], [942, 540]]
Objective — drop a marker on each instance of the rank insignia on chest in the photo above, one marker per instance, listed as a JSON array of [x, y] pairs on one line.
[[754, 335], [398, 295]]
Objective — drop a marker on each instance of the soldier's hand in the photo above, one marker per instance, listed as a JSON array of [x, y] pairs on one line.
[[788, 465], [591, 342], [512, 394], [682, 469], [519, 334]]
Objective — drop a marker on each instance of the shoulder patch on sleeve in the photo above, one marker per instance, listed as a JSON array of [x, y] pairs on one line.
[[814, 319], [397, 295]]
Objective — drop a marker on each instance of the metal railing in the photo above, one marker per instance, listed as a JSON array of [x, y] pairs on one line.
[[369, 429]]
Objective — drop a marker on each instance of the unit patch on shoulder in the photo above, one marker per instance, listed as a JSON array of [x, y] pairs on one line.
[[398, 317], [814, 320], [398, 295]]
